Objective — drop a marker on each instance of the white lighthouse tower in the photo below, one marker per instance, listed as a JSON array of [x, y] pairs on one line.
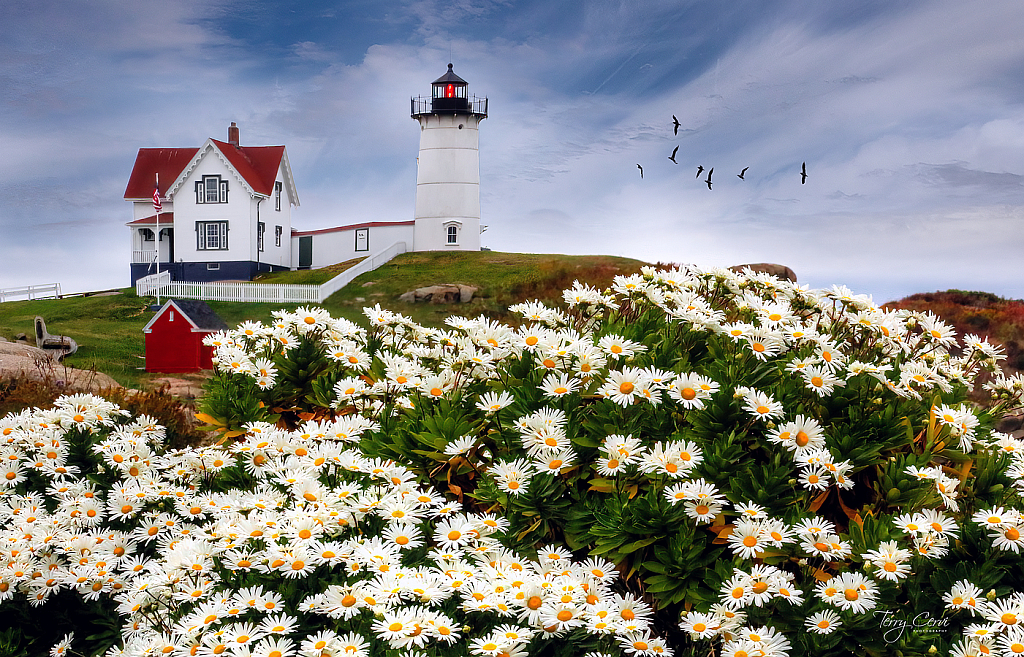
[[448, 171]]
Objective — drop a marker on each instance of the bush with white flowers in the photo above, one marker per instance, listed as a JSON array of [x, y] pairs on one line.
[[691, 462], [285, 543]]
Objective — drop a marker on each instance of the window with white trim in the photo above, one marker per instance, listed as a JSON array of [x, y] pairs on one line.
[[453, 234], [277, 235], [211, 235], [277, 195], [211, 189], [261, 228]]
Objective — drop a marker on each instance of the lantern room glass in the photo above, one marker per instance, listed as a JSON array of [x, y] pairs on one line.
[[450, 90]]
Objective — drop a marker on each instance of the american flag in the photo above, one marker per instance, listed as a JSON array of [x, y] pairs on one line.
[[156, 200]]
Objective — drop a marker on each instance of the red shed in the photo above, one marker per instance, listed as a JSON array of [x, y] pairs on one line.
[[174, 337]]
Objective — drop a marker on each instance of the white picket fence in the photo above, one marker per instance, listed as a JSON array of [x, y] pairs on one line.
[[262, 292], [30, 292]]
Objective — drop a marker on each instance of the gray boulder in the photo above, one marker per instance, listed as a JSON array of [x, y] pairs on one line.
[[781, 271], [444, 293]]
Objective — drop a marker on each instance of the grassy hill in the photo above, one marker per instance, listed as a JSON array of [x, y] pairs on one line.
[[992, 317], [108, 329]]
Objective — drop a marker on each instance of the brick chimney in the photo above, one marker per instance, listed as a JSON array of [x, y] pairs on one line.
[[233, 134]]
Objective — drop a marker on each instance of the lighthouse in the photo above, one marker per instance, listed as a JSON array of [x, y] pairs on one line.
[[448, 168]]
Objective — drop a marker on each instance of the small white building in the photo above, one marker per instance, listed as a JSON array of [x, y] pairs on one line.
[[226, 208], [313, 249]]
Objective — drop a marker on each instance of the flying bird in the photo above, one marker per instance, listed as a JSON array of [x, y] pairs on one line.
[[700, 170], [675, 125], [803, 174], [741, 173], [673, 155], [708, 181], [641, 171]]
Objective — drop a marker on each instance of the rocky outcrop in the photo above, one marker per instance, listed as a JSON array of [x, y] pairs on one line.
[[445, 293], [1013, 424], [781, 271], [21, 361]]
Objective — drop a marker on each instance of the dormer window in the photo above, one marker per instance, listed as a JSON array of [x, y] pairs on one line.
[[211, 189]]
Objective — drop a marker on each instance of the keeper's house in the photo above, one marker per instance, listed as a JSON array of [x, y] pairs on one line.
[[225, 210]]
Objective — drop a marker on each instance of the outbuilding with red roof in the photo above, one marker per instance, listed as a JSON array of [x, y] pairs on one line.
[[174, 337]]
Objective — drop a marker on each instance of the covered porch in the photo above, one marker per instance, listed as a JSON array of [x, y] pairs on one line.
[[146, 243]]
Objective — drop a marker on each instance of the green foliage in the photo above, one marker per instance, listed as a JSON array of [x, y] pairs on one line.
[[230, 403]]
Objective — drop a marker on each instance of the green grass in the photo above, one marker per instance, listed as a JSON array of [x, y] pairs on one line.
[[307, 276], [108, 329], [502, 278]]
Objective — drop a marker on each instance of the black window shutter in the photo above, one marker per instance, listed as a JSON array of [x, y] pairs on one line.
[[200, 193], [223, 191]]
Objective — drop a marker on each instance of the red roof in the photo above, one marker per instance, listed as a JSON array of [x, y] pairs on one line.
[[368, 224], [168, 162], [165, 218], [258, 165]]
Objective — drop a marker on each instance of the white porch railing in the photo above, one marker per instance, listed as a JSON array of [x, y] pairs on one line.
[[144, 256], [31, 292], [149, 285], [262, 292]]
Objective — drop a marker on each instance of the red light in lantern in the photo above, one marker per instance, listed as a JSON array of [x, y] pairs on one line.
[[450, 91]]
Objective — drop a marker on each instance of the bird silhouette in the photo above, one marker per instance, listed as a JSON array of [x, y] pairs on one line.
[[741, 173], [708, 181], [673, 155], [641, 171], [700, 170], [675, 125], [803, 174]]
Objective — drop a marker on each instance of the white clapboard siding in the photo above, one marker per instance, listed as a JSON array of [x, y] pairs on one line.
[[262, 292]]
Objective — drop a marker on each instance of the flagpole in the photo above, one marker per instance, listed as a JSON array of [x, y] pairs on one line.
[[157, 208]]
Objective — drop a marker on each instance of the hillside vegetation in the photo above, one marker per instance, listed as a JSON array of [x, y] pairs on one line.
[[984, 314], [108, 329]]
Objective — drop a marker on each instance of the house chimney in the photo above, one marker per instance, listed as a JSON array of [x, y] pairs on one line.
[[233, 134]]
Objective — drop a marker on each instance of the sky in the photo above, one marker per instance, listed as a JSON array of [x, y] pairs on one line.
[[909, 116]]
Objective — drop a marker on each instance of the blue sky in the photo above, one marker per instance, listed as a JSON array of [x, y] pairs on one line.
[[908, 114]]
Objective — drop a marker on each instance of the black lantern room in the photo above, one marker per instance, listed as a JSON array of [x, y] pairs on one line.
[[449, 94]]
